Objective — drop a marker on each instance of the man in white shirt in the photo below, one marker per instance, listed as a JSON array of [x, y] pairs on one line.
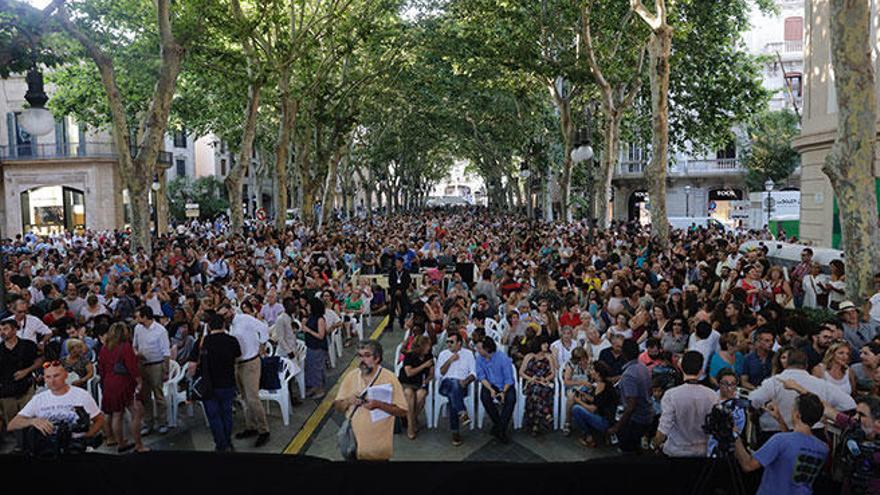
[[59, 404], [684, 410], [456, 371], [153, 348], [874, 310], [29, 326], [705, 341], [251, 334], [596, 343], [218, 269], [772, 389]]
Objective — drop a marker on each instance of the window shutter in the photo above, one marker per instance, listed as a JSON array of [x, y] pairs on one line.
[[59, 139], [10, 132], [794, 29]]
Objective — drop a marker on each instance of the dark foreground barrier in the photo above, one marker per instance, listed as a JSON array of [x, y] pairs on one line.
[[164, 473]]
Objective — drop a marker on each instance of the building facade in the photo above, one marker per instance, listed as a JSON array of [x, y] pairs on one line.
[[819, 223], [713, 184]]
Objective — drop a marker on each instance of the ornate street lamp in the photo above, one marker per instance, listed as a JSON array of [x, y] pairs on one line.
[[36, 120]]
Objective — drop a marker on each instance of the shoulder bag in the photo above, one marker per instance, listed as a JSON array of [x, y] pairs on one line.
[[201, 388], [345, 439]]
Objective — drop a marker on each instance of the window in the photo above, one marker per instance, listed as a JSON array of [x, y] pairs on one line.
[[794, 80], [635, 153], [23, 140], [727, 152], [181, 167], [180, 139], [794, 34], [223, 166]]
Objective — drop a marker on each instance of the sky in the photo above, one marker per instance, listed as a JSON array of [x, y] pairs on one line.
[[40, 4]]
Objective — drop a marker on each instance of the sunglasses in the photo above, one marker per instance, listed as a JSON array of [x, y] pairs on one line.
[[49, 364]]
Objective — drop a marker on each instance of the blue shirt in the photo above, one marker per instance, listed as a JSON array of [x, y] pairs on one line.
[[756, 369], [498, 370], [636, 382], [791, 461]]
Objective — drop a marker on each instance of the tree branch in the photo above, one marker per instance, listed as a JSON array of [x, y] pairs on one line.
[[650, 19]]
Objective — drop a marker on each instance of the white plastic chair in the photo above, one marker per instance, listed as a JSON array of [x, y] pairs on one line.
[[282, 395], [522, 405], [561, 392], [334, 349], [439, 401], [173, 395], [300, 354], [481, 411], [270, 349], [490, 325]]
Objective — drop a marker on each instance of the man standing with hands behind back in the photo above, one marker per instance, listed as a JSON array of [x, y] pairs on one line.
[[375, 438], [398, 286], [153, 350]]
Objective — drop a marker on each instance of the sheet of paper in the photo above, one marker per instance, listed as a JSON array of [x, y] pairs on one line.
[[381, 393]]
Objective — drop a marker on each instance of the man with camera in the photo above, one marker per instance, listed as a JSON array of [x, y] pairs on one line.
[[61, 419], [19, 358], [685, 408], [791, 460]]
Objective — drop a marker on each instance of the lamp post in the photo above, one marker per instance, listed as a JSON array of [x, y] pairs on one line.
[[768, 186], [687, 200], [155, 186], [36, 120], [525, 174]]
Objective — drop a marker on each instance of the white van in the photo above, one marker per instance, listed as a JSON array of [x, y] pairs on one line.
[[705, 222]]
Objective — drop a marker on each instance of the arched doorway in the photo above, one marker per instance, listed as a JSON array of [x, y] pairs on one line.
[[637, 208], [723, 204], [52, 209]]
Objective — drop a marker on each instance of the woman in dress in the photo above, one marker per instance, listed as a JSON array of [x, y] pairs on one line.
[[120, 381], [780, 288], [836, 286], [416, 373], [315, 330], [538, 371], [835, 369]]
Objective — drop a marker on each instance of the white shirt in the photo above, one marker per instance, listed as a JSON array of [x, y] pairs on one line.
[[875, 308], [595, 349], [706, 347], [250, 333], [685, 408], [33, 327], [60, 408], [152, 342], [459, 370], [562, 353], [270, 312], [772, 389]]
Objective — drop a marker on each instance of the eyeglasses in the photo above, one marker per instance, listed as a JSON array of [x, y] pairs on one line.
[[49, 364], [365, 354], [450, 341]]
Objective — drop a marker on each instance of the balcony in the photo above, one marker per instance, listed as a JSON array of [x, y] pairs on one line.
[[687, 168], [784, 47], [53, 151]]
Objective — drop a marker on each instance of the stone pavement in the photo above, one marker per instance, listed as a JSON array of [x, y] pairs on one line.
[[435, 444]]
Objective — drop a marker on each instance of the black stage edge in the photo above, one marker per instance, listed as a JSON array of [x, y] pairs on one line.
[[164, 473]]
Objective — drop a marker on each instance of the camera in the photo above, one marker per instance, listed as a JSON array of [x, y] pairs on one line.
[[721, 423], [62, 439], [857, 455]]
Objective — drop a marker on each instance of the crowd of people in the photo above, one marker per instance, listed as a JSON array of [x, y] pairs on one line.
[[596, 332]]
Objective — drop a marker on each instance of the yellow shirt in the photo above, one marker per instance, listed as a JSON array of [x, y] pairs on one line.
[[374, 440]]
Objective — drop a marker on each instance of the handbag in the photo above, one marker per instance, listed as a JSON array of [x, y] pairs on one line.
[[201, 387], [269, 368], [120, 369], [345, 439]]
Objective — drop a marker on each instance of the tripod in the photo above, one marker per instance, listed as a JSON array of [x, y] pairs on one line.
[[726, 458]]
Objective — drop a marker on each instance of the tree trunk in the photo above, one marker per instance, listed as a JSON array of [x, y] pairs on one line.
[[329, 196], [235, 179], [162, 201], [850, 164], [548, 197], [139, 204], [655, 174], [606, 168], [289, 108]]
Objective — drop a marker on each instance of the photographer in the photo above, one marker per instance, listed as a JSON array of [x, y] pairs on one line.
[[67, 417], [861, 430], [791, 460]]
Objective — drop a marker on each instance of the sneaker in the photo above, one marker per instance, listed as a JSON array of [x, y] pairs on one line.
[[146, 430], [246, 434], [456, 439], [162, 430], [566, 429], [464, 419], [262, 439]]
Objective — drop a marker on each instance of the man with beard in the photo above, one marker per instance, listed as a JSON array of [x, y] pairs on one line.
[[816, 351], [359, 397]]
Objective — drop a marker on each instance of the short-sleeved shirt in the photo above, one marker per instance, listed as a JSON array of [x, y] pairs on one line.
[[19, 357], [614, 362], [415, 360], [222, 351], [636, 382], [791, 461], [60, 408], [375, 440]]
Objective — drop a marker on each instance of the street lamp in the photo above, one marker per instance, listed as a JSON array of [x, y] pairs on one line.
[[687, 200], [36, 120], [768, 186]]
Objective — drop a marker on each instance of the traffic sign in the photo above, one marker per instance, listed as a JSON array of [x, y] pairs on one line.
[[261, 214]]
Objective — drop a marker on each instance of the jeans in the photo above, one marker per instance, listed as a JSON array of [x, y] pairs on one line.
[[218, 409], [452, 390], [590, 423], [502, 420]]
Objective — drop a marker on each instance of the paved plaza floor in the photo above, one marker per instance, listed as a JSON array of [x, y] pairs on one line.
[[313, 425]]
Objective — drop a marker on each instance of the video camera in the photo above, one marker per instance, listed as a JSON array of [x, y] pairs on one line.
[[62, 440], [857, 458], [720, 423]]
